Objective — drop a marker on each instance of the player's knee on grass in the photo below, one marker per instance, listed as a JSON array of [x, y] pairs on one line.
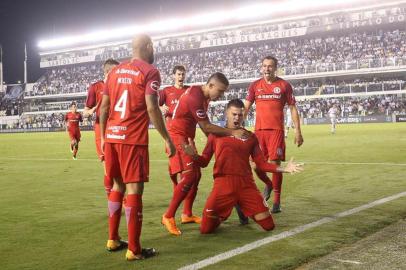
[[209, 223], [265, 220]]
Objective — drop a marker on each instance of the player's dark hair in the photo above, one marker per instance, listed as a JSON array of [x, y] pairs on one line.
[[73, 103], [111, 61], [269, 57], [218, 76], [178, 67], [235, 103]]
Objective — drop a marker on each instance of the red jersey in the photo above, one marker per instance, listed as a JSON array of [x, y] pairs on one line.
[[270, 99], [72, 120], [191, 108], [127, 85], [94, 97], [169, 96], [232, 156]]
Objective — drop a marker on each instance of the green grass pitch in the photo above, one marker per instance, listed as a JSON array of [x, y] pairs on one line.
[[53, 210]]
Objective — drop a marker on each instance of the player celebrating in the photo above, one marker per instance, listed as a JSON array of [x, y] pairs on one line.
[[168, 99], [332, 113], [270, 94], [94, 97], [130, 100], [233, 181], [72, 120], [191, 110]]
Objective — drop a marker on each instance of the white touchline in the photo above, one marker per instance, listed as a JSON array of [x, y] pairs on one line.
[[347, 261], [256, 244]]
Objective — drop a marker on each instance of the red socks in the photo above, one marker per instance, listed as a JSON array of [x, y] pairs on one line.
[[114, 205], [277, 187], [133, 213], [189, 200], [267, 224], [181, 191]]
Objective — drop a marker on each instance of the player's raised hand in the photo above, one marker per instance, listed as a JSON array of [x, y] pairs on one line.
[[298, 139], [241, 133], [293, 167], [171, 149], [189, 149]]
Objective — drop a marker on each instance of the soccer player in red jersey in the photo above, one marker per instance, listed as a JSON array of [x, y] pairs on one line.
[[190, 111], [233, 180], [130, 101], [94, 97], [270, 95], [72, 120], [168, 99]]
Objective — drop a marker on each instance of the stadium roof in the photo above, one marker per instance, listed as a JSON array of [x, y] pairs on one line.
[[253, 13]]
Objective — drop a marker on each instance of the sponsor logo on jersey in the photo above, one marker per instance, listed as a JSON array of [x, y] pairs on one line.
[[201, 113], [270, 96], [127, 71], [277, 90], [115, 136]]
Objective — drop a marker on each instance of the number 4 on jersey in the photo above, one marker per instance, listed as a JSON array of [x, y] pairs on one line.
[[122, 104]]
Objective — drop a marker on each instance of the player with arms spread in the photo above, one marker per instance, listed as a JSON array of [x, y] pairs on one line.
[[72, 120], [129, 102], [233, 180], [190, 111], [270, 95], [93, 100]]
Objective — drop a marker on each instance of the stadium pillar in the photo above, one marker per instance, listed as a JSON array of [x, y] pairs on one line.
[[25, 63]]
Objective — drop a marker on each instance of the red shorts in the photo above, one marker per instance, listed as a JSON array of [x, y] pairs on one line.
[[127, 161], [74, 134], [231, 190], [272, 143], [180, 161], [97, 140]]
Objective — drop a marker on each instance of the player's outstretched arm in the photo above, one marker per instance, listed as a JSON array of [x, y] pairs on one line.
[[155, 116], [88, 111], [209, 128], [296, 120], [293, 167], [247, 107]]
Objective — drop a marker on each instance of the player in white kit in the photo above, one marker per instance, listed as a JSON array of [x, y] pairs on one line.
[[332, 113], [289, 123]]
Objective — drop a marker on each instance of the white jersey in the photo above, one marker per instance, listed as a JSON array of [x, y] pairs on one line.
[[289, 122], [332, 112]]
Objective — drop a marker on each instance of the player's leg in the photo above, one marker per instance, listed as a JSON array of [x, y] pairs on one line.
[[115, 197], [134, 167], [107, 181], [187, 180], [254, 206], [218, 206], [76, 145], [333, 125], [276, 149], [187, 214], [263, 139]]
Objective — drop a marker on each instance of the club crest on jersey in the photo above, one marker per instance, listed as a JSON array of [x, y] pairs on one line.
[[201, 113], [155, 85], [277, 90]]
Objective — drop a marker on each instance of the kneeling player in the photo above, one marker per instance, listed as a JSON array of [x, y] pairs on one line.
[[72, 120], [233, 180]]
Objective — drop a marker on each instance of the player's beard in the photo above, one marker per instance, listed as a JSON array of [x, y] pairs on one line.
[[151, 58]]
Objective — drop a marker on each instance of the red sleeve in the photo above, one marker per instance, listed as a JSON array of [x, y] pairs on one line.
[[207, 153], [162, 97], [251, 93], [91, 97], [290, 98], [152, 82], [259, 159], [196, 105]]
